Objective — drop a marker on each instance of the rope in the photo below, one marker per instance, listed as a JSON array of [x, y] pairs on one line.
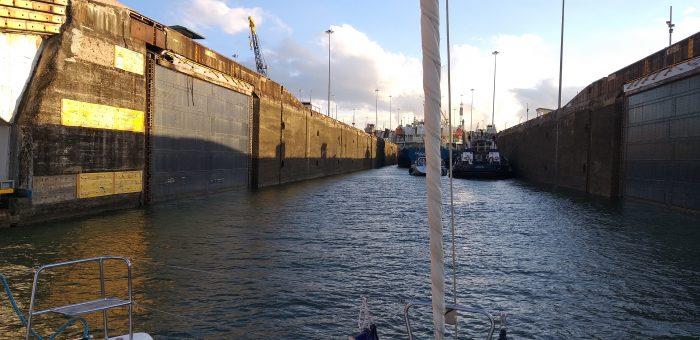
[[452, 198], [23, 320], [430, 36], [452, 202]]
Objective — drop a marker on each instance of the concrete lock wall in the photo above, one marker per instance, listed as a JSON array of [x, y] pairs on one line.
[[104, 122], [296, 143], [588, 150], [78, 140], [588, 155]]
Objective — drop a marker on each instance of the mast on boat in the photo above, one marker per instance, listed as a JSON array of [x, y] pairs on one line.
[[430, 36]]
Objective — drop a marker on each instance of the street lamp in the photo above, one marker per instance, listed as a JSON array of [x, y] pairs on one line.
[[670, 25], [376, 109], [390, 112], [493, 112], [329, 32], [561, 54], [471, 113]]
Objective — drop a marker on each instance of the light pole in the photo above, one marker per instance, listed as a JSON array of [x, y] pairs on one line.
[[556, 115], [389, 112], [376, 109], [471, 113], [461, 111], [561, 54], [329, 32], [493, 112], [398, 115], [670, 25], [332, 101]]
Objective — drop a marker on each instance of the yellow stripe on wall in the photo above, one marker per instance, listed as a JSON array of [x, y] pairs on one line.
[[128, 60], [89, 115], [109, 183]]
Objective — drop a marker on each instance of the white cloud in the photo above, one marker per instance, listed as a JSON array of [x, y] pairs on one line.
[[528, 65], [217, 13], [690, 10], [359, 65]]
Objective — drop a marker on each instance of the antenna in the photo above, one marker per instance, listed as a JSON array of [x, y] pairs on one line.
[[670, 25]]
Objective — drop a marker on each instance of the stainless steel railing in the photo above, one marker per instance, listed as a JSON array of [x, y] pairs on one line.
[[99, 305]]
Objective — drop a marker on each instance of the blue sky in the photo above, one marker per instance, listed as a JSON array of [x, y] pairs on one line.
[[377, 44]]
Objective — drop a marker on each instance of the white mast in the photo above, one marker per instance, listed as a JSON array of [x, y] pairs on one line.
[[430, 36]]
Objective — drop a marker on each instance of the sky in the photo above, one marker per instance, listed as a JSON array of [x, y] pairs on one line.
[[376, 45]]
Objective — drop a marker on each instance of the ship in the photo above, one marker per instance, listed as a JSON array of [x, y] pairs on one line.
[[481, 158], [409, 139]]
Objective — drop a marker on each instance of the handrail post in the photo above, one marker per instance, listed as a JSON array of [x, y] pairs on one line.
[[131, 300], [102, 294], [31, 303]]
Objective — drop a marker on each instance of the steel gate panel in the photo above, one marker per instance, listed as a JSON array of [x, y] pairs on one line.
[[199, 137], [662, 144]]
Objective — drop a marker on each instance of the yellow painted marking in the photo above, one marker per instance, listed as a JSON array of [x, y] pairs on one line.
[[127, 182], [16, 24], [95, 185], [52, 28], [18, 13], [89, 115], [6, 191], [58, 10], [23, 3], [109, 183], [41, 7], [128, 60]]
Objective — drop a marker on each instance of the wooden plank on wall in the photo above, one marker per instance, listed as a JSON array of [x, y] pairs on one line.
[[95, 184], [128, 182], [100, 184]]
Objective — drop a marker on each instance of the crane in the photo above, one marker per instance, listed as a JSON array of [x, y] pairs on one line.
[[255, 46]]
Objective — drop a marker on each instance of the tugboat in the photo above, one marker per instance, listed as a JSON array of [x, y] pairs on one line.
[[419, 168], [481, 159]]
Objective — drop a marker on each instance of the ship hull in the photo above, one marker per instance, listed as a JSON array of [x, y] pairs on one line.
[[482, 171]]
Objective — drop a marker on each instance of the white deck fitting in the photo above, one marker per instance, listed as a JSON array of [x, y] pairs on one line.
[[137, 336]]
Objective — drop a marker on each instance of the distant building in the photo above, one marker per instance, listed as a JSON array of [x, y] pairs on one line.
[[543, 111]]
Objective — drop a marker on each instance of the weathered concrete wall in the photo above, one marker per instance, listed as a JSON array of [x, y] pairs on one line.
[[589, 151], [86, 132], [58, 136], [296, 143]]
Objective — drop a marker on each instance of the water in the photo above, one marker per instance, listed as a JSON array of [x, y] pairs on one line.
[[293, 261]]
